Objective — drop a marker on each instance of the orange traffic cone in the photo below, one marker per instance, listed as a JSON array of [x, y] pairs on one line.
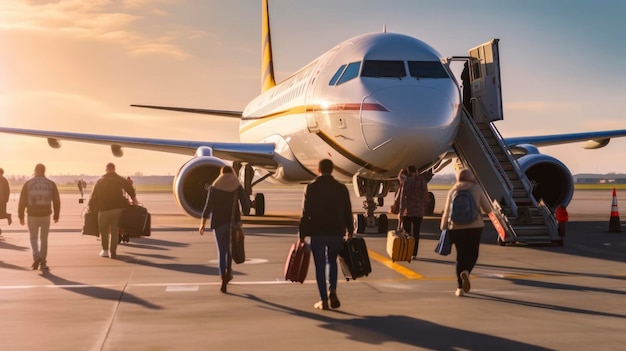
[[614, 224]]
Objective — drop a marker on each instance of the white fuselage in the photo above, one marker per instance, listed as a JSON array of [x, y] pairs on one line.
[[370, 120]]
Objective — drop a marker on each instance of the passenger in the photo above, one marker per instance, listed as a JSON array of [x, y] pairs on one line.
[[5, 192], [40, 198], [561, 217], [328, 211], [413, 200], [220, 205], [108, 199], [395, 207], [465, 237]]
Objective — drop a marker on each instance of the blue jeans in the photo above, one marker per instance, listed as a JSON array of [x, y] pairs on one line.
[[325, 249], [39, 227], [222, 238]]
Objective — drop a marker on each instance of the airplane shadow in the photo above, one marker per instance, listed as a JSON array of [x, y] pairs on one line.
[[378, 330], [97, 292]]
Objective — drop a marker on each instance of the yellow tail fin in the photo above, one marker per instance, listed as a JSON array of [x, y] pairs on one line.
[[267, 69]]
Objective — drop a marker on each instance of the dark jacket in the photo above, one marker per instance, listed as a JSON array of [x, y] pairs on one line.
[[220, 201], [326, 208], [5, 190], [109, 193], [39, 197]]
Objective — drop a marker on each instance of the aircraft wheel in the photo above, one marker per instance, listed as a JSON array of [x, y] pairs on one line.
[[431, 205], [383, 223], [381, 201], [360, 224], [259, 204]]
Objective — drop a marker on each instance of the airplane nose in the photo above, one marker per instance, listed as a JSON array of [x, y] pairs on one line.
[[420, 117]]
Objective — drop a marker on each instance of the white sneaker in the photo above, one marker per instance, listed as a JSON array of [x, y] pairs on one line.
[[458, 292], [104, 253], [465, 279]]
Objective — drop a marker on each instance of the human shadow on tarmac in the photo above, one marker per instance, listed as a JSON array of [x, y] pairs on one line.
[[98, 292], [544, 305], [378, 330], [7, 246]]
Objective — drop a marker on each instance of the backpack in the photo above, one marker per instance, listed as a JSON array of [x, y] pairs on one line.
[[463, 209]]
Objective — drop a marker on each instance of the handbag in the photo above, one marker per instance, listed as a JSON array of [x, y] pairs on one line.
[[444, 245], [237, 248]]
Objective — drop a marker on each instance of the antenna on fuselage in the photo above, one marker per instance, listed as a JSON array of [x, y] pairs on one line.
[[384, 28]]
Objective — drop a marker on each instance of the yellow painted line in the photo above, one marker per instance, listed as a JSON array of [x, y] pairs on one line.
[[395, 266]]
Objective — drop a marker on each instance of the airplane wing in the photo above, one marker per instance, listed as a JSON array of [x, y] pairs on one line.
[[222, 113], [592, 140], [258, 154]]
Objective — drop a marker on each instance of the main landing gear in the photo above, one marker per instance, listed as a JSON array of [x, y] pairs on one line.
[[258, 203]]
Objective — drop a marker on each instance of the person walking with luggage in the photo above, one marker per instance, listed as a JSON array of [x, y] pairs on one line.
[[108, 198], [40, 199], [5, 192], [327, 212], [222, 206], [413, 199], [462, 218]]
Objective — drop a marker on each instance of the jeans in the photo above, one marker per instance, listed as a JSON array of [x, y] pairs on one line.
[[467, 243], [325, 249], [39, 227], [412, 226], [108, 223], [222, 238]]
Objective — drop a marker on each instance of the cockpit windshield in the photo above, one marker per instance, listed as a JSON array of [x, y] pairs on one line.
[[427, 69], [383, 69]]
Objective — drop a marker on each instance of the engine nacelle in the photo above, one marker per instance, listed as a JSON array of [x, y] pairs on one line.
[[193, 180], [552, 180]]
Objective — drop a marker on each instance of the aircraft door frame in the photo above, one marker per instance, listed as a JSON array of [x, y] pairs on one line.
[[486, 82]]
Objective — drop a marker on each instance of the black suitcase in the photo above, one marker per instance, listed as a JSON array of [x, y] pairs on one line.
[[135, 221], [91, 224], [354, 259]]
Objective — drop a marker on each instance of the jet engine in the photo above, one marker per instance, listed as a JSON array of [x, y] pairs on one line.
[[193, 180], [551, 179]]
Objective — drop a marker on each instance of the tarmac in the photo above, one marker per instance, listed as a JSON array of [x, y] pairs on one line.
[[162, 292]]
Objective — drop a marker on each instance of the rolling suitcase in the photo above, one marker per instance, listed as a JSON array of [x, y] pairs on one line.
[[354, 259], [298, 259], [400, 245], [135, 221]]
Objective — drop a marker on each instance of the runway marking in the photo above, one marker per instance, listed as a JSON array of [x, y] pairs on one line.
[[179, 288], [395, 266]]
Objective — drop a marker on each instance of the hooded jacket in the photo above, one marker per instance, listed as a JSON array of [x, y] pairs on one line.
[[481, 202], [221, 198]]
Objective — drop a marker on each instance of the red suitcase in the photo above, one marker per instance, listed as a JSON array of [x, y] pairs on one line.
[[298, 259]]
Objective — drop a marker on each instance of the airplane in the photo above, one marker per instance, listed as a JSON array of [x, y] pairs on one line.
[[373, 104]]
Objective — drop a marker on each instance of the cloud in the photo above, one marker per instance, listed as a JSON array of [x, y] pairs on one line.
[[104, 20]]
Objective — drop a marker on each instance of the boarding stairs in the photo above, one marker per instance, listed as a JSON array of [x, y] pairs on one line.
[[480, 147]]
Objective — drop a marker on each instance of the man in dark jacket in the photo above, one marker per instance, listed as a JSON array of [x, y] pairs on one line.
[[108, 198], [327, 213], [5, 192], [40, 198]]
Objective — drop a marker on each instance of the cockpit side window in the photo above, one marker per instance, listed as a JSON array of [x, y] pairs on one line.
[[427, 69], [383, 69], [351, 72], [333, 80]]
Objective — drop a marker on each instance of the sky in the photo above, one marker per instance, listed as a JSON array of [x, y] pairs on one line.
[[77, 65]]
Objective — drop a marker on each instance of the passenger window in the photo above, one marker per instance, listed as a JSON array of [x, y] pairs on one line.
[[383, 69], [333, 80], [427, 69], [352, 71]]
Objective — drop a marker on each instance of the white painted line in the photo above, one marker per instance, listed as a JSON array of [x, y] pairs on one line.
[[179, 288]]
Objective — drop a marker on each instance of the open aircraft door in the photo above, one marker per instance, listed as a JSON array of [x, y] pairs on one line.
[[485, 82]]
